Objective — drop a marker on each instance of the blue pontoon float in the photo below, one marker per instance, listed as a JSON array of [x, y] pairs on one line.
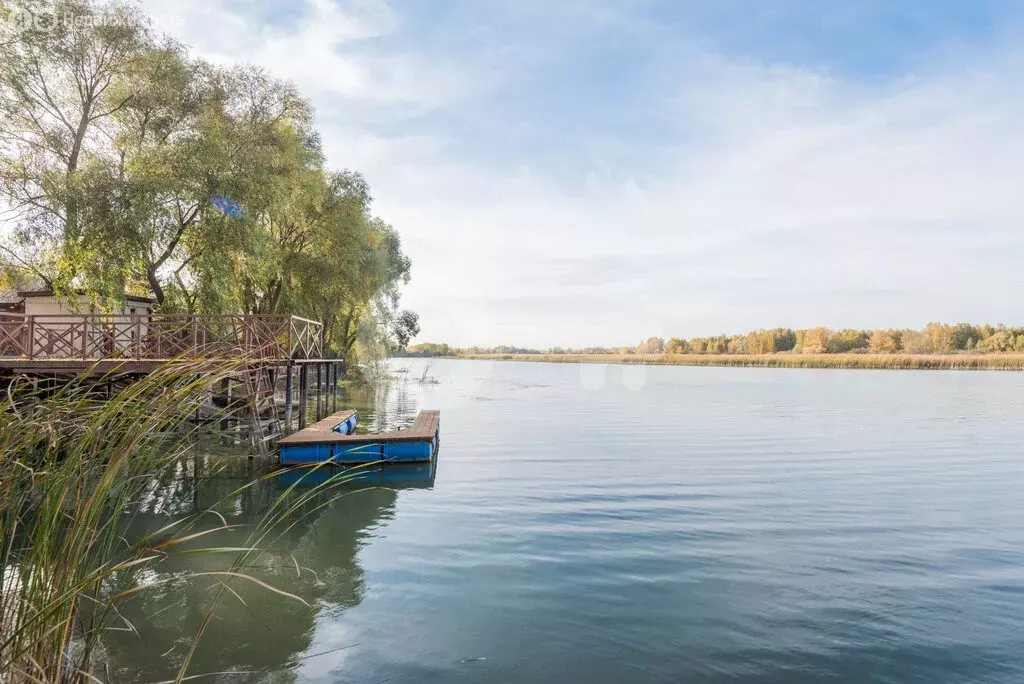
[[392, 475], [333, 439]]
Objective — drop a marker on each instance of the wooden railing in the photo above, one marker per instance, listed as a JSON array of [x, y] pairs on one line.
[[156, 336]]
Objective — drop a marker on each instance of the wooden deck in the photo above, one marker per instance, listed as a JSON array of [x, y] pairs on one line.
[[250, 354], [321, 430], [320, 442], [139, 343], [425, 427]]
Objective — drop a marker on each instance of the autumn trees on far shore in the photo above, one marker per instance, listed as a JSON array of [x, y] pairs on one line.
[[935, 338]]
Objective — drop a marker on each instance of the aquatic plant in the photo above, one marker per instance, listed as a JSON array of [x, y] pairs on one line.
[[426, 378], [74, 464]]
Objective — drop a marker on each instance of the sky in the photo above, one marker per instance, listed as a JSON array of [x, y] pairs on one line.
[[595, 172]]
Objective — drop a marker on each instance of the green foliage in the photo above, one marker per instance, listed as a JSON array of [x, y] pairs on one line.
[[429, 349], [74, 467], [59, 96], [1003, 339], [405, 327], [769, 341], [112, 142], [846, 341], [708, 345]]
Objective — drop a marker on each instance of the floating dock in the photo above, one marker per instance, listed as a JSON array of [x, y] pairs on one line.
[[392, 475], [333, 439]]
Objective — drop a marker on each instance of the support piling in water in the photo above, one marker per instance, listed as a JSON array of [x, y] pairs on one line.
[[319, 380], [334, 387], [241, 407], [327, 389], [303, 393], [225, 422], [288, 390]]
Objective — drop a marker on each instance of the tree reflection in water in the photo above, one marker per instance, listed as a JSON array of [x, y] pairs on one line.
[[253, 630]]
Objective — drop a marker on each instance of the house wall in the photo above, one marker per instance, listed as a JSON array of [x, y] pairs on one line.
[[107, 337], [52, 306]]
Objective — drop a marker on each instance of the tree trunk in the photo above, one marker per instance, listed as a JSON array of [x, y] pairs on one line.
[[155, 286]]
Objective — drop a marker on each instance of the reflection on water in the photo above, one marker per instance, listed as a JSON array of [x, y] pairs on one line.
[[255, 634], [385, 407], [609, 525]]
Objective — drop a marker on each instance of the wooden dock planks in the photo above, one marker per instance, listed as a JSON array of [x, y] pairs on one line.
[[319, 442], [321, 430], [425, 427]]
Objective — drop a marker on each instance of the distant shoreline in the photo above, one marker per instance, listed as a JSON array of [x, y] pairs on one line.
[[1006, 362]]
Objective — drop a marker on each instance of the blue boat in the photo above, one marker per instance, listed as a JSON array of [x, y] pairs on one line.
[[334, 440]]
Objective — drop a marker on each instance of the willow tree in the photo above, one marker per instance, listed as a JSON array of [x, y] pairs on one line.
[[238, 134], [352, 266], [167, 160], [58, 103], [114, 144]]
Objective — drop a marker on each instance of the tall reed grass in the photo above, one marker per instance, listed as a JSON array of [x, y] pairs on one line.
[[73, 465]]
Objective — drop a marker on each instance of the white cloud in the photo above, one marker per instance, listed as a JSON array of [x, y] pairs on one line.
[[776, 196], [323, 52]]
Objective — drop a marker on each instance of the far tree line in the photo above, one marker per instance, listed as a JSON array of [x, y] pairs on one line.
[[128, 166], [934, 338]]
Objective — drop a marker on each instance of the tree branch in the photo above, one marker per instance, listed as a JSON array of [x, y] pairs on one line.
[[42, 276]]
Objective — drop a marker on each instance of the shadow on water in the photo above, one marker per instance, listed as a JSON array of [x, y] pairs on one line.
[[256, 634], [253, 631]]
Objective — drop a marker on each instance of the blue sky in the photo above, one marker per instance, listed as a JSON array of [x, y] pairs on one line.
[[595, 172]]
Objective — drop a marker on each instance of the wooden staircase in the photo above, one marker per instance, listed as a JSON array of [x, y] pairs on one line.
[[257, 385]]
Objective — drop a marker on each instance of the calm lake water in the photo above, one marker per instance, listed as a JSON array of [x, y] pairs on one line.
[[628, 524]]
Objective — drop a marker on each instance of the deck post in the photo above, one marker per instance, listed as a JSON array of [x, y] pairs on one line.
[[326, 389], [315, 380], [303, 393], [329, 390], [319, 383], [288, 390], [30, 335], [225, 422], [334, 388], [329, 397]]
